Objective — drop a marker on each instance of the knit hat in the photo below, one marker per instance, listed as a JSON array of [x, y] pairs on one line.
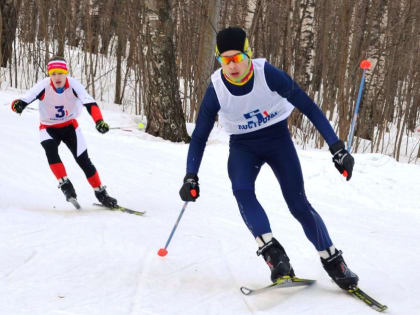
[[232, 38], [59, 66]]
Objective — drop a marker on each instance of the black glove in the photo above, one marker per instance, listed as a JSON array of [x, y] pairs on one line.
[[102, 126], [190, 191], [342, 159], [18, 106]]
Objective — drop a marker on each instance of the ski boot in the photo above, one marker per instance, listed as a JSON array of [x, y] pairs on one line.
[[276, 259], [67, 188], [337, 269], [104, 198]]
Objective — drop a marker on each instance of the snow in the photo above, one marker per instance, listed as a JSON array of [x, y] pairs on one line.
[[58, 260]]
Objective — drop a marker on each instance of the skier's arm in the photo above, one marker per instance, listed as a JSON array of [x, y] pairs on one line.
[[94, 111], [87, 100], [204, 124], [281, 83], [36, 92], [209, 107]]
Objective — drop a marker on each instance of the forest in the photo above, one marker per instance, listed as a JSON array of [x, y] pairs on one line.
[[155, 58]]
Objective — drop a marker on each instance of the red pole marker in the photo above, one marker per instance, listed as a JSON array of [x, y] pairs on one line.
[[365, 64], [345, 174], [163, 252]]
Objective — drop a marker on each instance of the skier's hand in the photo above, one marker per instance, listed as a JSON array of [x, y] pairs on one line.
[[190, 190], [342, 159], [18, 106], [102, 126]]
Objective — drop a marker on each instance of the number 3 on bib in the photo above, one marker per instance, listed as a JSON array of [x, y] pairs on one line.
[[60, 110]]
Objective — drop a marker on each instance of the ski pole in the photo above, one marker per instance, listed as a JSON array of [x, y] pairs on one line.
[[140, 126], [121, 128], [365, 64], [164, 251]]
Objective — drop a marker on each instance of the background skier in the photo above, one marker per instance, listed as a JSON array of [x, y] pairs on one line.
[[61, 99]]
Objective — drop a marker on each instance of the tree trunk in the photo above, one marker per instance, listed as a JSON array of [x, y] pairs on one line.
[[8, 11], [117, 98], [165, 118], [205, 61]]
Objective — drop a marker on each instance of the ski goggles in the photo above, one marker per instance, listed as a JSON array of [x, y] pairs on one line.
[[225, 60]]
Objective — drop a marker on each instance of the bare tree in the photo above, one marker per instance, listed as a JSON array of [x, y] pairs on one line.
[[210, 14], [8, 14], [164, 115], [160, 59]]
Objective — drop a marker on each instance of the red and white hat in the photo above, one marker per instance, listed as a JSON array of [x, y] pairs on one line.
[[58, 66]]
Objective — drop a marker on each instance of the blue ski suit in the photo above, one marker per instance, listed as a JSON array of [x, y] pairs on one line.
[[272, 145]]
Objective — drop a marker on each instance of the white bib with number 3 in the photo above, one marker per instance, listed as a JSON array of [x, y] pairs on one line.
[[57, 108]]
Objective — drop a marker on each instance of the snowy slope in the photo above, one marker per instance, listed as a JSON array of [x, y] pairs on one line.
[[57, 260]]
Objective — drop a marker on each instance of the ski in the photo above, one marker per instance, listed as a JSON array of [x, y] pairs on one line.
[[361, 295], [74, 202], [283, 282], [122, 209], [287, 281]]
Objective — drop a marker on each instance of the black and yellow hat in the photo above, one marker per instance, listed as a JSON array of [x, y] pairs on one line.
[[232, 38]]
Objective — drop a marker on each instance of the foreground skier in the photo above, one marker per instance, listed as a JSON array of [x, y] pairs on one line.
[[61, 99], [253, 100]]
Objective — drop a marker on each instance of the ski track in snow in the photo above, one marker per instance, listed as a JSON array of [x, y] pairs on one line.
[[58, 260]]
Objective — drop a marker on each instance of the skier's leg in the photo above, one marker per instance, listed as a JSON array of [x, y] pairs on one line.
[[286, 166], [76, 143], [50, 140], [243, 167], [74, 140], [50, 146]]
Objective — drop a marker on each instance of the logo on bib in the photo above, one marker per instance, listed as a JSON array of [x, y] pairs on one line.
[[256, 119]]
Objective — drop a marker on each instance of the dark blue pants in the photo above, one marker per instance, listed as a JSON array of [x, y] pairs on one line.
[[272, 145]]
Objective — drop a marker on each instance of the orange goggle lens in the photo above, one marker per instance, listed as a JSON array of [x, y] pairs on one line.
[[235, 58]]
